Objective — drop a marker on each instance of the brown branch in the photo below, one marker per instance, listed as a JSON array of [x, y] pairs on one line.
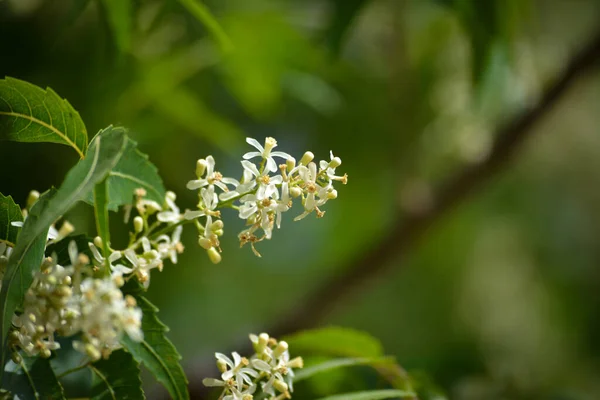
[[408, 229]]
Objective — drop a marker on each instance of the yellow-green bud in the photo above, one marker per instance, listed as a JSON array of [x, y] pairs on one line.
[[280, 349], [306, 158], [65, 229], [297, 362], [138, 224], [200, 167], [98, 242], [219, 232], [171, 195], [280, 385], [16, 357], [335, 162], [218, 224], [34, 195], [214, 255], [45, 353], [204, 242], [295, 191], [332, 195], [92, 352], [290, 163]]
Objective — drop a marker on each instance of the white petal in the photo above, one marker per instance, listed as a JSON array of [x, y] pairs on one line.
[[251, 154], [280, 154], [245, 213], [192, 214], [261, 365], [250, 167], [271, 164], [210, 165], [254, 143], [195, 184], [225, 359], [211, 382]]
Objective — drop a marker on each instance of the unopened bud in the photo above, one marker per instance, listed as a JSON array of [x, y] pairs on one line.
[[222, 366], [280, 385], [214, 255], [92, 352], [297, 362], [45, 353], [34, 195], [295, 191], [118, 280], [66, 229], [138, 224], [204, 242], [290, 163], [280, 349], [306, 158], [332, 195], [130, 301], [335, 162], [200, 167], [98, 242], [16, 357], [219, 232], [82, 259], [218, 224], [171, 195]]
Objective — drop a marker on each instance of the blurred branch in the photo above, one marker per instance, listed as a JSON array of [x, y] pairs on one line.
[[407, 229]]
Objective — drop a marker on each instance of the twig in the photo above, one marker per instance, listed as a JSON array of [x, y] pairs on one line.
[[409, 228]]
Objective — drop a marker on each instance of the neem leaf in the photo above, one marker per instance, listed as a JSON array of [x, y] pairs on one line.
[[116, 378], [32, 378], [157, 352], [328, 365], [9, 212], [335, 341], [29, 113], [133, 171], [372, 395], [104, 153]]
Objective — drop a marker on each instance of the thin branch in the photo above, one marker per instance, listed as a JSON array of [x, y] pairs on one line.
[[408, 229]]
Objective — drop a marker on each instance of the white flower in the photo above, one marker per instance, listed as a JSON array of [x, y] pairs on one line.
[[172, 215], [169, 247], [238, 369], [209, 202], [267, 184], [265, 152], [212, 178]]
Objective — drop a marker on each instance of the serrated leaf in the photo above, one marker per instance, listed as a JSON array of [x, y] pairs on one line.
[[61, 248], [133, 171], [33, 378], [29, 113], [372, 395], [9, 212], [119, 16], [156, 351], [104, 153], [117, 378], [335, 341], [329, 365]]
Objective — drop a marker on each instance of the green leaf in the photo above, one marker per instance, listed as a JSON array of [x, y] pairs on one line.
[[116, 378], [156, 351], [104, 153], [32, 378], [133, 171], [335, 341], [308, 372], [9, 212], [61, 248], [372, 395], [30, 114], [119, 16]]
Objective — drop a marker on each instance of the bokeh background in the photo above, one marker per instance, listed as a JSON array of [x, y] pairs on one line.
[[499, 298]]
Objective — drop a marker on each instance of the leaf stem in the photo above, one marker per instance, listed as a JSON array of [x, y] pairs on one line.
[[74, 369]]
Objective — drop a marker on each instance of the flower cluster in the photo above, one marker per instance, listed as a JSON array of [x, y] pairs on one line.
[[270, 369], [263, 194], [68, 300]]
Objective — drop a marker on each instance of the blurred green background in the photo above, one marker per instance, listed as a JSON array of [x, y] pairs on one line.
[[499, 299]]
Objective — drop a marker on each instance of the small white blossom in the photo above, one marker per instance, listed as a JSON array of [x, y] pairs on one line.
[[212, 178], [265, 152]]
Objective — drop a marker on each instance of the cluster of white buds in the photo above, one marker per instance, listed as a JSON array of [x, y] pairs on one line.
[[270, 369], [69, 300], [262, 195]]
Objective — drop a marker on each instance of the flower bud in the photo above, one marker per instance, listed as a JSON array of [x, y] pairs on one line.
[[335, 162], [297, 362], [280, 385], [171, 195], [138, 224], [218, 224], [290, 164], [219, 232], [295, 191], [222, 366], [200, 167], [34, 195], [214, 255], [280, 349], [98, 242], [306, 158], [45, 353], [332, 195], [92, 352], [16, 357], [205, 243], [66, 229], [261, 345]]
